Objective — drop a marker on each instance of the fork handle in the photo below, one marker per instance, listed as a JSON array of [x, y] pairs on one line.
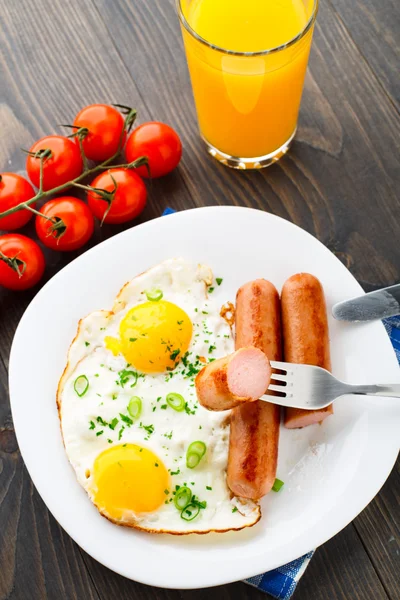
[[391, 390]]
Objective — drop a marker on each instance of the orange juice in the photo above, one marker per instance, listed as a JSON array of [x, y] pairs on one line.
[[247, 96]]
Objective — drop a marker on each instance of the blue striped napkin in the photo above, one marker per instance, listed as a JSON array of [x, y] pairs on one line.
[[281, 582]]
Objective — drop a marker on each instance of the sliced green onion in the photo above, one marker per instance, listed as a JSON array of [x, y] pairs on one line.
[[176, 401], [154, 295], [81, 385], [135, 407], [182, 497], [190, 512], [278, 485], [195, 453]]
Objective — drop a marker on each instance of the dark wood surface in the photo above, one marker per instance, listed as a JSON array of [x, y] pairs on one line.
[[340, 181]]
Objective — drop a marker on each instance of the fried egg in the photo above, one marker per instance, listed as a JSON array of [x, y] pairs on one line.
[[147, 454]]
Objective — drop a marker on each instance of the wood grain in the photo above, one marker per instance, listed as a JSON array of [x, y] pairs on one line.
[[379, 529], [357, 581], [339, 182], [375, 28]]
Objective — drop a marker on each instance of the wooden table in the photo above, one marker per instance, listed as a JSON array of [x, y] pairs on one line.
[[340, 182]]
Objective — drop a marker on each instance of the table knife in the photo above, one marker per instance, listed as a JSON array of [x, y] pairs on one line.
[[370, 307]]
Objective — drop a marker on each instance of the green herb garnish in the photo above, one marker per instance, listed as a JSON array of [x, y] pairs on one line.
[[135, 407], [113, 423], [125, 376], [278, 485], [183, 497], [195, 453], [176, 401], [126, 419], [81, 385], [154, 295]]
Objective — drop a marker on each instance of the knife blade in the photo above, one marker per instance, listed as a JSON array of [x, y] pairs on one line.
[[370, 307]]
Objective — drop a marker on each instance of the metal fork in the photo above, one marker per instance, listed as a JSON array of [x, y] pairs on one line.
[[304, 386]]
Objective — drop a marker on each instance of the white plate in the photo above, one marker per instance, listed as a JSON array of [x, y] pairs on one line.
[[331, 471]]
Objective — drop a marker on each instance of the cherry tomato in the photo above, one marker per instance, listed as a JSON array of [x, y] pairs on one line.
[[76, 224], [64, 164], [105, 125], [129, 199], [21, 262], [160, 143], [14, 189]]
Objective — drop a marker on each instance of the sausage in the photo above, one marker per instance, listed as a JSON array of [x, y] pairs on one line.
[[254, 431], [305, 337], [233, 380]]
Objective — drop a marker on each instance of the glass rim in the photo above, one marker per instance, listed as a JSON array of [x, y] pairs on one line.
[[203, 41]]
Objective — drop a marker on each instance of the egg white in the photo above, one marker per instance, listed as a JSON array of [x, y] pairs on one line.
[[186, 286]]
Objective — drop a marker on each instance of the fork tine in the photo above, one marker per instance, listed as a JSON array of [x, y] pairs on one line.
[[278, 365], [279, 376], [277, 388]]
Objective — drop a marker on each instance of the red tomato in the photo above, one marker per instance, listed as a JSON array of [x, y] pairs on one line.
[[14, 189], [77, 220], [105, 125], [21, 262], [160, 143], [129, 199], [64, 164]]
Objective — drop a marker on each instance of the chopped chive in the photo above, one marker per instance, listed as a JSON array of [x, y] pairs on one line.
[[183, 497], [87, 344], [121, 431], [234, 509], [154, 295], [101, 421], [219, 280], [278, 485], [208, 487], [132, 339], [92, 425], [99, 433], [81, 385], [210, 290], [135, 407], [176, 401], [195, 453]]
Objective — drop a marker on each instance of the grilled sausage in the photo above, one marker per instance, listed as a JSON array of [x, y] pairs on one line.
[[254, 431], [233, 380], [305, 337]]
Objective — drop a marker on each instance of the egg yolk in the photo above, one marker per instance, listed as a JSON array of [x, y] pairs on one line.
[[129, 478], [153, 336]]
